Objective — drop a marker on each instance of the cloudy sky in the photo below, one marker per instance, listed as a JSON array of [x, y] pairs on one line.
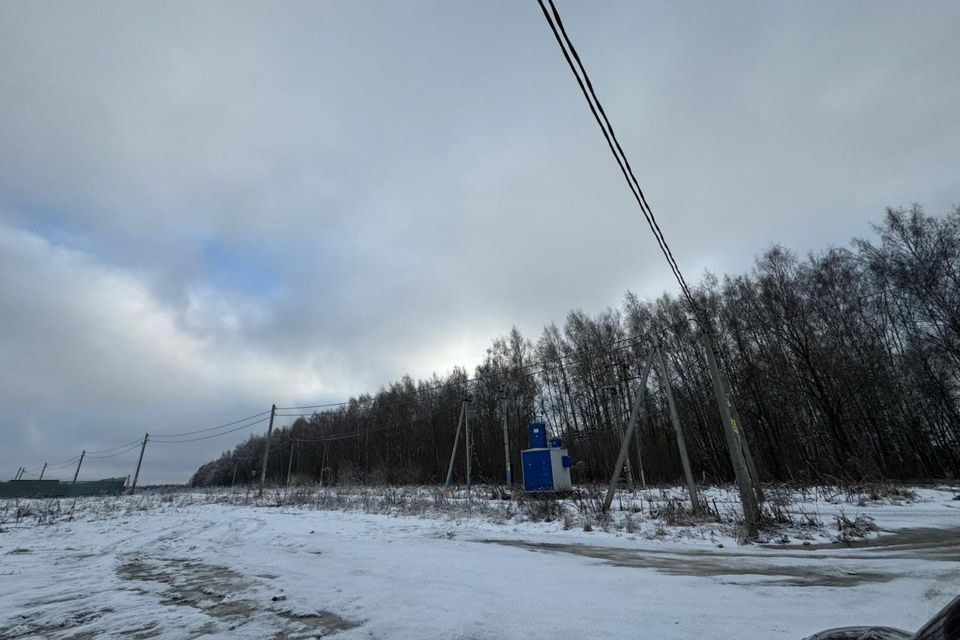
[[209, 207]]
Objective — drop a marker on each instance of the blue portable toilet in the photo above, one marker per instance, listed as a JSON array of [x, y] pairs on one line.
[[545, 468]]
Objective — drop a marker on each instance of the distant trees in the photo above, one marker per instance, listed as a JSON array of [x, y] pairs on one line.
[[844, 365]]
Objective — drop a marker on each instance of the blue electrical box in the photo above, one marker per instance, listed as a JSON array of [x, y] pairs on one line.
[[538, 435], [545, 468], [537, 473]]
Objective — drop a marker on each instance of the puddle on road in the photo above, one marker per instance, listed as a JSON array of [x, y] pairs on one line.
[[929, 544], [924, 543], [703, 565]]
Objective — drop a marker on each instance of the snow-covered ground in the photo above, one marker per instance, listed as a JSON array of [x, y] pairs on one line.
[[310, 564]]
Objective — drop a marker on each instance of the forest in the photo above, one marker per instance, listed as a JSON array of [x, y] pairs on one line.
[[844, 366]]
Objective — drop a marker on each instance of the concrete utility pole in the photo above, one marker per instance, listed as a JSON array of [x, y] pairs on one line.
[[42, 471], [742, 438], [136, 475], [506, 442], [631, 427], [290, 463], [618, 415], [621, 365], [456, 441], [266, 450], [751, 513], [77, 472], [681, 442], [466, 433], [323, 462]]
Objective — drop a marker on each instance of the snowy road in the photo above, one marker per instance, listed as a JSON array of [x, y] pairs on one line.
[[249, 572]]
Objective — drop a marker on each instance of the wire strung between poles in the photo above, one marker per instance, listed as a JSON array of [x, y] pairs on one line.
[[213, 435]]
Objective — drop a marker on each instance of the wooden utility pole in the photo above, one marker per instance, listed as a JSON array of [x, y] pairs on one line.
[[133, 487], [290, 463], [42, 471], [506, 441], [631, 427], [77, 472], [266, 450], [234, 480], [618, 415], [681, 441], [751, 512], [456, 441]]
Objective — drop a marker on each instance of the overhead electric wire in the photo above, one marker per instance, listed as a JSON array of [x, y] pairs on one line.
[[212, 435], [378, 427], [57, 465], [206, 429], [579, 71], [128, 449], [603, 349], [119, 446], [68, 463], [596, 108], [562, 360]]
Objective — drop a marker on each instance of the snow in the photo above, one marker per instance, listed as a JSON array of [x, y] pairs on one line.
[[223, 565]]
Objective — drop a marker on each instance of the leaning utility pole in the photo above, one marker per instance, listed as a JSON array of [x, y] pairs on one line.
[[77, 472], [742, 438], [42, 471], [456, 441], [631, 427], [751, 512], [290, 463], [136, 475], [266, 450], [681, 442], [17, 475], [614, 394], [621, 365], [506, 441]]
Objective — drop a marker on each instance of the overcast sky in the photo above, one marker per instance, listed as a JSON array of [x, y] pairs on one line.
[[206, 208]]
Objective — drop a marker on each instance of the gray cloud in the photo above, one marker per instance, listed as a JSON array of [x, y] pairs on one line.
[[208, 208]]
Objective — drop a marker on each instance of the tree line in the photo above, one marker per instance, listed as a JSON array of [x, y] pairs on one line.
[[843, 365]]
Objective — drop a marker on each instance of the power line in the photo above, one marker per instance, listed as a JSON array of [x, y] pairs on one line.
[[602, 349], [67, 463], [127, 450], [213, 435], [119, 446], [214, 428], [381, 427], [605, 349], [63, 463], [596, 108]]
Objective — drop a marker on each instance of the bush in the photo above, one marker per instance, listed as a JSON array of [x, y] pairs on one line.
[[853, 530], [891, 492]]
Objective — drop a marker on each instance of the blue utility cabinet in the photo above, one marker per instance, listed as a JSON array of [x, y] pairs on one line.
[[545, 468]]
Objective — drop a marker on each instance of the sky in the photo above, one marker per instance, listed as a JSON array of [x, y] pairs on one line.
[[208, 207]]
